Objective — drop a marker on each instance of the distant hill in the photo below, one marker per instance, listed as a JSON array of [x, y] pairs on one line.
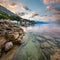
[[6, 11], [7, 14], [41, 22]]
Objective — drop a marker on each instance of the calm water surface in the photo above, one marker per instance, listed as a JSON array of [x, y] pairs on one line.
[[39, 42]]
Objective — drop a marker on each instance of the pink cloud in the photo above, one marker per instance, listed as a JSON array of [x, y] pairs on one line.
[[51, 1], [58, 1], [48, 1], [48, 7], [1, 3], [56, 11], [45, 1], [13, 5]]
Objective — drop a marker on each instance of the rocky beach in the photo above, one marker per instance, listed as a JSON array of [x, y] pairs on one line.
[[29, 29], [16, 44], [10, 36]]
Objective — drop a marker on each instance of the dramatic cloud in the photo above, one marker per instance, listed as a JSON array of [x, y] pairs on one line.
[[13, 5], [53, 5]]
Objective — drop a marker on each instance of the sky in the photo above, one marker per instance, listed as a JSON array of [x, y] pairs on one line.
[[44, 10]]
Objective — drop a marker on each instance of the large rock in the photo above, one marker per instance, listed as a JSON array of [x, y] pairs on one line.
[[8, 46]]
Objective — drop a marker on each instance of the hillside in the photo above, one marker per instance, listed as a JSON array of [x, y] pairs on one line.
[[6, 14], [6, 11]]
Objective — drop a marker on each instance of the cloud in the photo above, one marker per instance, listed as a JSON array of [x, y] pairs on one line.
[[28, 15], [52, 5], [48, 7], [58, 1], [57, 9], [47, 18], [21, 13], [33, 16], [6, 1], [45, 1], [13, 5], [25, 8], [1, 3], [51, 1], [56, 12]]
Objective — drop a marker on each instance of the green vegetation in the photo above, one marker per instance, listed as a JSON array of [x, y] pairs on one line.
[[3, 15], [23, 22], [17, 18]]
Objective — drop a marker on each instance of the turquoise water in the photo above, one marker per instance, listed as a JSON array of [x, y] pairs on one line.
[[39, 42]]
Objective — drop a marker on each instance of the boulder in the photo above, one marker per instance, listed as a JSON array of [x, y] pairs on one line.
[[8, 46]]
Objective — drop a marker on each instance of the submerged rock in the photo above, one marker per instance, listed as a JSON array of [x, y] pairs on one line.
[[31, 49]]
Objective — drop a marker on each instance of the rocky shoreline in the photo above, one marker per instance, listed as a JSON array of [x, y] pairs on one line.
[[10, 35]]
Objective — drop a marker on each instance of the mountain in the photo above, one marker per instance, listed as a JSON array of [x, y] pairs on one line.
[[41, 22], [6, 11], [7, 14]]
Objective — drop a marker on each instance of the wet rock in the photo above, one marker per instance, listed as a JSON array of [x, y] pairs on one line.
[[8, 46], [12, 35], [19, 40], [2, 41]]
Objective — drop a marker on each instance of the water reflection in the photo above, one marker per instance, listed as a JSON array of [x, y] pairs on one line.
[[40, 28], [41, 42]]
